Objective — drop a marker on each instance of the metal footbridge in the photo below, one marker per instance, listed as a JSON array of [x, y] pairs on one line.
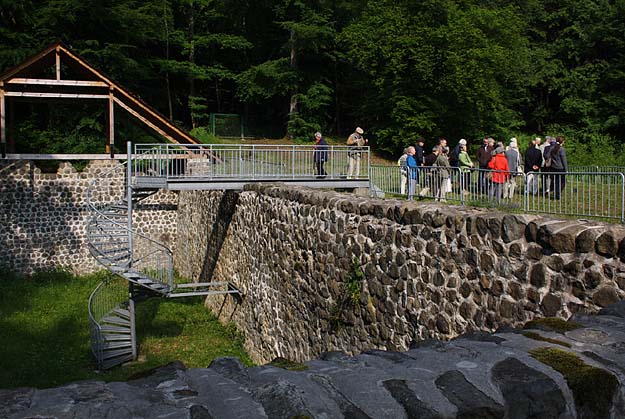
[[142, 266]]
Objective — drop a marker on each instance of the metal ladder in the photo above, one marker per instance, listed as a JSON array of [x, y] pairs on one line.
[[143, 267]]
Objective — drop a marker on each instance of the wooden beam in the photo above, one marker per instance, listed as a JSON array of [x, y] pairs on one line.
[[51, 82], [56, 95], [58, 62], [110, 146], [144, 120]]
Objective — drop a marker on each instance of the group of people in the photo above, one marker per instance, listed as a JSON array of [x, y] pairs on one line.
[[355, 143], [499, 168]]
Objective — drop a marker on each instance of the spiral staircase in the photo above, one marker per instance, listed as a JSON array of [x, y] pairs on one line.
[[142, 266]]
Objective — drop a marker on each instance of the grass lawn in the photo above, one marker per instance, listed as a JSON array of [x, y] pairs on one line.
[[44, 330]]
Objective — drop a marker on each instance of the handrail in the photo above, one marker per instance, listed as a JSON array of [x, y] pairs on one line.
[[136, 234]]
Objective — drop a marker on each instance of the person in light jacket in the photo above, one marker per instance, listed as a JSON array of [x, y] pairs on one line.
[[465, 168], [514, 164], [443, 172]]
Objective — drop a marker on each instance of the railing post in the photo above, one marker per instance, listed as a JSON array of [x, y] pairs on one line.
[[129, 200], [133, 334], [622, 197]]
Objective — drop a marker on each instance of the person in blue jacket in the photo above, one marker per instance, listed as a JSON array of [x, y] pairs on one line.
[[413, 167], [320, 155]]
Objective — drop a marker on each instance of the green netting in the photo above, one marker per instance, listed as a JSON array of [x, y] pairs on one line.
[[226, 125]]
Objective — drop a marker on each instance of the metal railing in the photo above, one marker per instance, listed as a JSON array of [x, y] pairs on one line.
[[110, 294], [599, 194], [250, 162]]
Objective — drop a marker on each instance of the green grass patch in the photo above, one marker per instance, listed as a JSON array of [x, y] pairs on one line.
[[44, 330], [552, 324], [593, 388], [536, 336]]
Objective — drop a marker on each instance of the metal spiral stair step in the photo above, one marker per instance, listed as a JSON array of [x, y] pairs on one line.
[[115, 344], [115, 337], [121, 312], [115, 320], [109, 363], [107, 328], [115, 353]]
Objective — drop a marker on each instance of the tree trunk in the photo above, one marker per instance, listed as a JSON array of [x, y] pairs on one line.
[[293, 103], [192, 61], [167, 82]]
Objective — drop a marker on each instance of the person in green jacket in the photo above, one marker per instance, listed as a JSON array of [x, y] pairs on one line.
[[465, 168]]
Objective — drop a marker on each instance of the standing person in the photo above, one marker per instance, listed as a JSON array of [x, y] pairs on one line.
[[499, 165], [559, 167], [455, 153], [547, 180], [403, 171], [320, 155], [465, 168], [411, 165], [355, 143], [419, 157], [514, 164], [483, 157], [429, 161], [533, 162], [442, 174]]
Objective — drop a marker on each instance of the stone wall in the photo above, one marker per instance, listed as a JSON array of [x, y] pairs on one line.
[[429, 270], [43, 216]]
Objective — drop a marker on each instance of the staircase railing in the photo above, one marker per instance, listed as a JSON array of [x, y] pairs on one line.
[[125, 252], [109, 295], [108, 208]]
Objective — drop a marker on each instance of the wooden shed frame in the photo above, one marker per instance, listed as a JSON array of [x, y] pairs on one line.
[[22, 81]]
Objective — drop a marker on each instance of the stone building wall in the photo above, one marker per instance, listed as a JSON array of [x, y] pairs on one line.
[[429, 270], [43, 216]]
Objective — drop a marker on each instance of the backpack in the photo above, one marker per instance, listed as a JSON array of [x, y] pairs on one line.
[[403, 163], [454, 157]]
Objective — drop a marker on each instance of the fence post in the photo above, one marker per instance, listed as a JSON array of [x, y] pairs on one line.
[[129, 200]]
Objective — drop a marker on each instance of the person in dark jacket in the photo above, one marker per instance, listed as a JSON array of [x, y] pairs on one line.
[[320, 155], [533, 161], [559, 167], [484, 154]]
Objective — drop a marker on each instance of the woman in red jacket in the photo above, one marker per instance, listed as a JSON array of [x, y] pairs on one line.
[[501, 173]]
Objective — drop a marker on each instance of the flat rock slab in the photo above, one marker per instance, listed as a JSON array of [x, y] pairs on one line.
[[474, 376]]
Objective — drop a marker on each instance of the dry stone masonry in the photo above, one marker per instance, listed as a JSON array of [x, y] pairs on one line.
[[43, 215], [429, 271]]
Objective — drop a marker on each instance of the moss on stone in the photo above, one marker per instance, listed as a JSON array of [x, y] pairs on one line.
[[288, 365], [593, 388], [552, 324], [536, 336]]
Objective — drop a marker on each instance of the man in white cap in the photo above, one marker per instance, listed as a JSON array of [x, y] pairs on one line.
[[355, 143]]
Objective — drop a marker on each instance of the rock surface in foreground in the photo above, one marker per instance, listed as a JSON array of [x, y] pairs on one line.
[[474, 376]]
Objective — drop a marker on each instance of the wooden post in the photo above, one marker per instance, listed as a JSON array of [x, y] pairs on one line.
[[58, 63], [110, 146], [10, 111], [3, 125]]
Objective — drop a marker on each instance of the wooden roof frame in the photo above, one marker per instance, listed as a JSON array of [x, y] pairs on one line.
[[20, 82]]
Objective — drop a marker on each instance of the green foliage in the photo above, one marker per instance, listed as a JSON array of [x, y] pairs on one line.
[[204, 135], [536, 336], [350, 295], [593, 388], [44, 329], [553, 324], [402, 70]]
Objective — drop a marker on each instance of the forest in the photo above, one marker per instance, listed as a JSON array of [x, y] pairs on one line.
[[400, 69]]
